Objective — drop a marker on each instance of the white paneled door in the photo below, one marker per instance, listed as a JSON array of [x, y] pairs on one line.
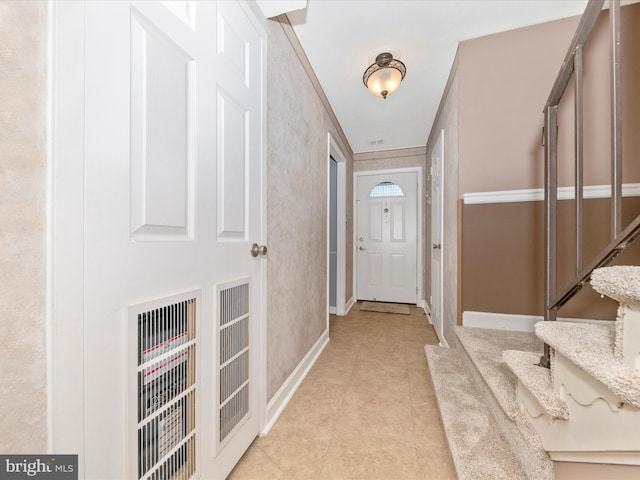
[[437, 162], [386, 238], [172, 195]]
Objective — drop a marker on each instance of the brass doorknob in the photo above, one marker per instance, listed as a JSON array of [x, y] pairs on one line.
[[258, 250]]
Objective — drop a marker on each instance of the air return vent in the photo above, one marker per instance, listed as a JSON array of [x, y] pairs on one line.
[[164, 375], [234, 361]]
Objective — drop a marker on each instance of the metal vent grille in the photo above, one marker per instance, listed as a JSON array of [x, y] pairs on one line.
[[166, 388], [235, 353], [234, 302]]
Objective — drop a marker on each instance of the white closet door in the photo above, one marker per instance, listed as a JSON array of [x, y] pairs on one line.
[[173, 165]]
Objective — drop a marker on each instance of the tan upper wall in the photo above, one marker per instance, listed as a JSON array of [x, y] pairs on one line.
[[23, 163], [505, 80]]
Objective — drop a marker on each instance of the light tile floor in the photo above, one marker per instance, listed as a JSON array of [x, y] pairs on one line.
[[366, 410]]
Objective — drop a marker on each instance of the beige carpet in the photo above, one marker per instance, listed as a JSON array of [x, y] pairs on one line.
[[481, 357], [385, 308], [479, 450]]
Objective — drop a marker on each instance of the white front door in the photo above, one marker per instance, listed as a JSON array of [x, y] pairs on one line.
[[386, 239], [173, 165], [437, 162]]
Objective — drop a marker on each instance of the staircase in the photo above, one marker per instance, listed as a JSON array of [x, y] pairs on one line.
[[574, 412], [507, 417], [488, 437], [586, 408]]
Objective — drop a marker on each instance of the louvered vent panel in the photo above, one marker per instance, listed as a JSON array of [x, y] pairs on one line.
[[234, 302], [234, 361], [166, 388]]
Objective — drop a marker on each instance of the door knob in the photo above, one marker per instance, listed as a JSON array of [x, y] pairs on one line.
[[362, 248], [436, 246], [258, 250]]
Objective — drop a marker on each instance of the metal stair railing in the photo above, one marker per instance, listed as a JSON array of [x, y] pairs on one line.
[[620, 239]]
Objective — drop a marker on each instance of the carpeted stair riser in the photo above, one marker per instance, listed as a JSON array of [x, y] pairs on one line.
[[519, 433], [590, 347], [478, 448], [537, 381]]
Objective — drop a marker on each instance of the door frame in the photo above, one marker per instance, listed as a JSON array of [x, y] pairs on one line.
[[419, 224], [65, 225], [440, 274], [65, 228], [333, 150]]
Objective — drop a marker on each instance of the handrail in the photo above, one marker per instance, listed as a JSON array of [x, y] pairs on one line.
[[572, 64], [626, 237], [583, 31]]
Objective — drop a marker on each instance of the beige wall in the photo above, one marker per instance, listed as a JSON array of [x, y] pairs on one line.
[[297, 163], [503, 256], [23, 174], [505, 80]]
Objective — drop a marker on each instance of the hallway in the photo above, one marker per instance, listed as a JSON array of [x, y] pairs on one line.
[[366, 410]]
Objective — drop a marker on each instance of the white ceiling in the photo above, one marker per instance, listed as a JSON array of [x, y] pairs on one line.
[[342, 38]]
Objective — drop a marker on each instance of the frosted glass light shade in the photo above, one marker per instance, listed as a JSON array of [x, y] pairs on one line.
[[384, 80], [384, 76]]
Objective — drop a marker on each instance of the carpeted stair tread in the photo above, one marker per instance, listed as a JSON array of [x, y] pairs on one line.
[[590, 347], [478, 450], [620, 282], [538, 382], [484, 347]]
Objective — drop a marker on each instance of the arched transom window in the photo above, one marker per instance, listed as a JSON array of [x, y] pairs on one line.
[[386, 189]]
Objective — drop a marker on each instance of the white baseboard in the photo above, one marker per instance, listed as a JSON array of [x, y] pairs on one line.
[[349, 304], [277, 404], [443, 341], [427, 310], [332, 310], [514, 322]]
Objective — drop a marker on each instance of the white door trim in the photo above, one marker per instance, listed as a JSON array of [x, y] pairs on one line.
[[260, 24], [333, 150], [419, 240], [65, 260]]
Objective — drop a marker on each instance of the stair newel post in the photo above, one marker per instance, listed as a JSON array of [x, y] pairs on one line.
[[551, 217]]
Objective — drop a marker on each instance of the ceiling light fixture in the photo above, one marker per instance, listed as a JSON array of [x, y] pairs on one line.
[[384, 76]]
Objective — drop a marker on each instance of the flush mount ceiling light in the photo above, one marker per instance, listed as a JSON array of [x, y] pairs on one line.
[[384, 76]]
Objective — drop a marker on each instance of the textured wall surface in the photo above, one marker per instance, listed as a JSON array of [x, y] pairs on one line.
[[389, 159], [23, 358], [296, 211], [450, 246]]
